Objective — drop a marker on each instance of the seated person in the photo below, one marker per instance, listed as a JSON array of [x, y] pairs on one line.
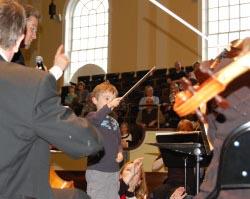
[[176, 176], [148, 117], [70, 96], [81, 92], [125, 135], [149, 92], [88, 106], [178, 73], [133, 181]]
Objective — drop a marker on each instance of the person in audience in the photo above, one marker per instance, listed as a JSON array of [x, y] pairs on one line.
[[178, 73], [125, 135], [191, 75], [71, 96], [149, 92], [102, 174], [81, 92], [149, 116], [34, 118], [133, 181], [165, 90], [176, 176], [88, 106]]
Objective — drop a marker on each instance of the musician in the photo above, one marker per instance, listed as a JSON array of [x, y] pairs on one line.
[[237, 94], [32, 118]]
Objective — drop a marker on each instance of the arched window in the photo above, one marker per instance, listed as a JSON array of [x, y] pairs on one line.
[[225, 21], [86, 34]]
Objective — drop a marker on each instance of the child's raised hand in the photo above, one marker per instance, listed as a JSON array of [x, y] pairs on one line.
[[119, 157], [114, 103]]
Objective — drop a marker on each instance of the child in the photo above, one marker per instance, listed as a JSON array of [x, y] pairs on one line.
[[70, 96], [103, 176], [133, 181], [125, 135]]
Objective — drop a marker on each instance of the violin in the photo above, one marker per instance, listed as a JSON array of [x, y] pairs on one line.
[[188, 101], [201, 73]]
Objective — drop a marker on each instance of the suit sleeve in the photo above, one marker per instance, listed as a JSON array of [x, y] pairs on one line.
[[60, 126]]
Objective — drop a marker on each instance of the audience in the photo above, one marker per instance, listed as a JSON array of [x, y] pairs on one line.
[[150, 116], [133, 181]]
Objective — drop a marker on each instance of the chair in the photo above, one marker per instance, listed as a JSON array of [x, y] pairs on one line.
[[113, 78], [141, 73], [160, 72], [84, 79], [234, 168], [127, 79], [96, 79]]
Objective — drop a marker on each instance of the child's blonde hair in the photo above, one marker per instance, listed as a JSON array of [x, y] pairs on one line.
[[141, 191], [104, 87]]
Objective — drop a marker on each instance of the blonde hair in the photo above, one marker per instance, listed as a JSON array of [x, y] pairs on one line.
[[104, 87], [185, 125], [141, 191]]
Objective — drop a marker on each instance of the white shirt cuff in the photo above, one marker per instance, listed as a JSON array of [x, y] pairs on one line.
[[56, 71]]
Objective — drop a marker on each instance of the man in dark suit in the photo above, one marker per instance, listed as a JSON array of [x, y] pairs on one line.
[[32, 20], [32, 117]]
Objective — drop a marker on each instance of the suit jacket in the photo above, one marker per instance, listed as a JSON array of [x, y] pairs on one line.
[[32, 117], [18, 58]]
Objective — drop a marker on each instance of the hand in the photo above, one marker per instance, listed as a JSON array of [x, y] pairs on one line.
[[152, 123], [137, 164], [124, 144], [45, 68], [114, 103], [179, 193], [119, 157], [61, 59]]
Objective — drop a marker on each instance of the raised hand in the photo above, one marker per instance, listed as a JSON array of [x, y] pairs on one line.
[[61, 59]]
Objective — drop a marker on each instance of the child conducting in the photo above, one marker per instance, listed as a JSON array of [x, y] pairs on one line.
[[102, 175]]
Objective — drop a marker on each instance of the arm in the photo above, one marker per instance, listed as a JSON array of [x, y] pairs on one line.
[[158, 164], [59, 125]]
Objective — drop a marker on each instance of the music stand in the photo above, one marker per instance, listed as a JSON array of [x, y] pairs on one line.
[[178, 147]]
